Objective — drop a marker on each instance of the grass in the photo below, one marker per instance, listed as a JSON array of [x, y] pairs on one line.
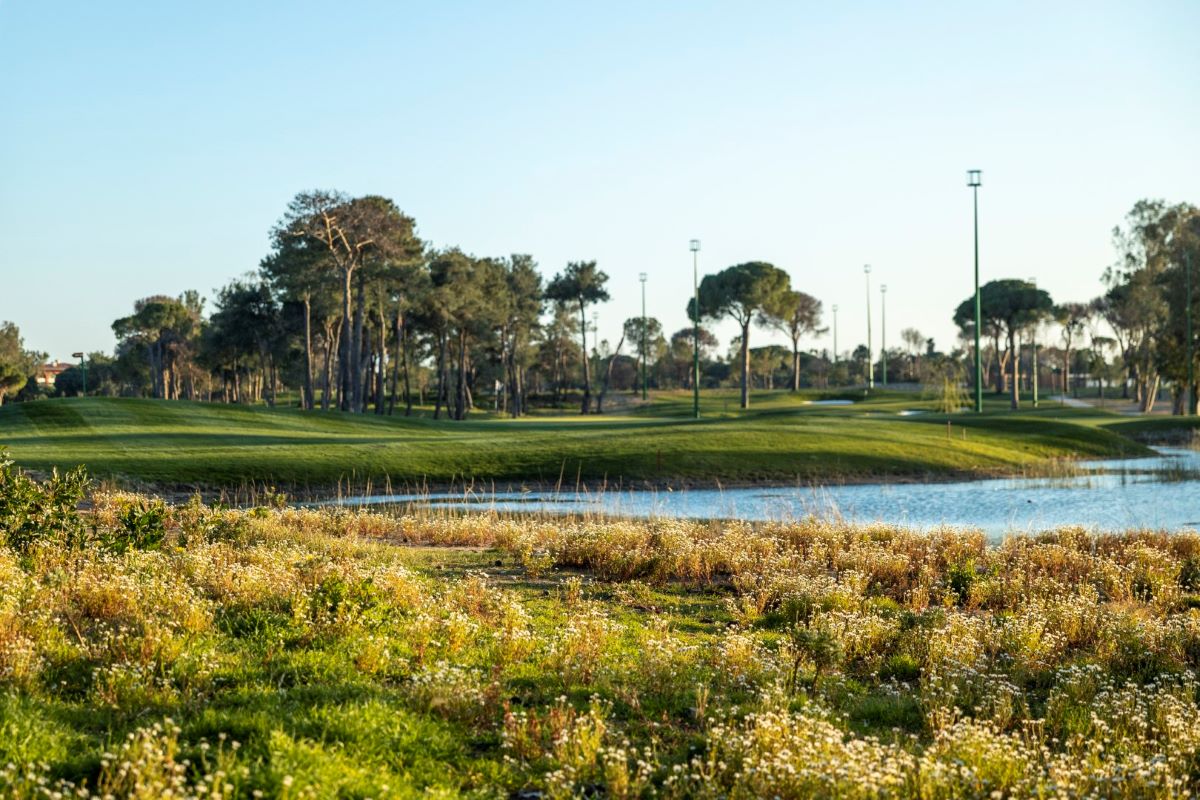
[[781, 440], [329, 654]]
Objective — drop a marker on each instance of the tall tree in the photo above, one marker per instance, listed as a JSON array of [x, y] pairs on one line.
[[300, 269], [351, 230], [165, 327], [1010, 305], [16, 363], [742, 292], [582, 284], [1073, 318], [796, 314], [248, 323], [646, 340], [524, 309]]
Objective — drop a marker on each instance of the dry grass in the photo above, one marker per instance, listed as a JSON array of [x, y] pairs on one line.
[[329, 653]]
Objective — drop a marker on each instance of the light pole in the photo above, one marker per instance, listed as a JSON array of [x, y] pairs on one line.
[[870, 352], [883, 330], [642, 278], [973, 180], [835, 356], [694, 246], [1033, 344], [1191, 356], [83, 369]]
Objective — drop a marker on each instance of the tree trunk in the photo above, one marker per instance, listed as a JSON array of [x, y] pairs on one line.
[[746, 363], [397, 359], [332, 344], [408, 404], [1066, 366], [1015, 358], [1001, 366], [307, 401], [608, 375], [441, 370], [381, 376], [1151, 395], [360, 343], [795, 365], [460, 398], [587, 377], [345, 357]]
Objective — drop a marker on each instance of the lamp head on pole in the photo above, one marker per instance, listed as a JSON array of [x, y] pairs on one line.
[[973, 177], [694, 245], [883, 288], [76, 355], [867, 269], [835, 308], [642, 277]]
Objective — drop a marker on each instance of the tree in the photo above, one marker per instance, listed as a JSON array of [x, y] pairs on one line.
[[1073, 317], [796, 314], [743, 292], [248, 324], [914, 340], [644, 341], [16, 363], [167, 328], [524, 309], [351, 230], [299, 268], [580, 283], [1145, 291], [1009, 305]]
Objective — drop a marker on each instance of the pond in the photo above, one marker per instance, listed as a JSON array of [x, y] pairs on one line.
[[1161, 492]]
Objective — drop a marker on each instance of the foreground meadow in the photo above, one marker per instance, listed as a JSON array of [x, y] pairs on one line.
[[196, 651]]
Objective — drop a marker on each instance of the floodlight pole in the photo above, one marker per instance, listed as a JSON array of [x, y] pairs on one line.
[[883, 330], [694, 246], [835, 350], [870, 352], [1034, 364], [973, 180], [1191, 355], [642, 278]]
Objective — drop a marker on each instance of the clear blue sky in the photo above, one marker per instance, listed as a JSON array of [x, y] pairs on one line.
[[147, 147]]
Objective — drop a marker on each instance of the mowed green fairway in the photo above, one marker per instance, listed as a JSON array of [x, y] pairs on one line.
[[171, 443]]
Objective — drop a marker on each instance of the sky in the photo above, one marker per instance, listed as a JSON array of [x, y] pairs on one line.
[[148, 147]]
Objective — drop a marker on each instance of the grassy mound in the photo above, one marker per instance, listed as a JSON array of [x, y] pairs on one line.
[[782, 440]]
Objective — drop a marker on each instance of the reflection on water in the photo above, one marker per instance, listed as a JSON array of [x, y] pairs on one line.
[[1162, 492]]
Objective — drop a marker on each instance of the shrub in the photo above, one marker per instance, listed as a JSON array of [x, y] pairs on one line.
[[32, 512]]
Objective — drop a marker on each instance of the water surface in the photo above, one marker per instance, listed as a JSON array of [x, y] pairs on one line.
[[1161, 492]]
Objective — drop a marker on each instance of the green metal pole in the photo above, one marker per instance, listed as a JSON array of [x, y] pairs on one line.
[[883, 331], [870, 352], [696, 333], [978, 313], [645, 395], [83, 369], [1033, 343], [1191, 356]]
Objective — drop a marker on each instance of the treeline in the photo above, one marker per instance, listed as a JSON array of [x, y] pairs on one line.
[[352, 310], [1147, 308]]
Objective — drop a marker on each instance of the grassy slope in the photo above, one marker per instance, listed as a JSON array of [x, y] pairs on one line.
[[781, 440]]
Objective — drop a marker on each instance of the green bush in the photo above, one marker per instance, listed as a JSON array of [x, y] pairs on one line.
[[143, 527], [32, 512]]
